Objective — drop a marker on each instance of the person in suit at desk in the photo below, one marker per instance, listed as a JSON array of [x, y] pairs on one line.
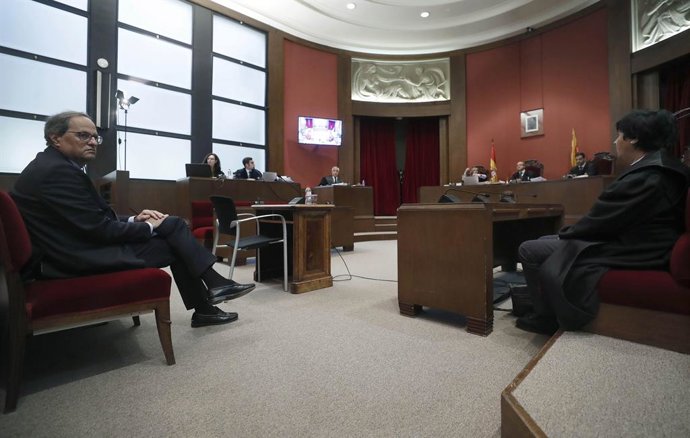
[[633, 225], [75, 232], [582, 166], [521, 174], [248, 171], [333, 178], [213, 161]]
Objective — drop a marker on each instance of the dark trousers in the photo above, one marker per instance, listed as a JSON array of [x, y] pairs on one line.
[[175, 246], [532, 254]]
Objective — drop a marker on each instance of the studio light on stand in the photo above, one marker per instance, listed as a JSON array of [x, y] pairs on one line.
[[124, 103]]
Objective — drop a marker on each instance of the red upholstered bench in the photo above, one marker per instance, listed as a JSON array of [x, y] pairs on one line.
[[49, 305], [650, 307]]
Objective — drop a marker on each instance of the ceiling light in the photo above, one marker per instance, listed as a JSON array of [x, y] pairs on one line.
[[424, 14], [351, 6]]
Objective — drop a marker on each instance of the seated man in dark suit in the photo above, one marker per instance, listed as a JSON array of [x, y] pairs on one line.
[[333, 178], [248, 171], [74, 231], [582, 166], [521, 174]]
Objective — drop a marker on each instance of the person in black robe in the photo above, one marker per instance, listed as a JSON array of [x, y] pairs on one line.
[[633, 225]]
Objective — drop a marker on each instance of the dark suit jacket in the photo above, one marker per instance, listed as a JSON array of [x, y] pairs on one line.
[[525, 177], [588, 169], [73, 230], [328, 180], [242, 174]]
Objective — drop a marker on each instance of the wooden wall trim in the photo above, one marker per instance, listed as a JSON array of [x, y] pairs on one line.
[[346, 153], [660, 53], [276, 102], [620, 81], [425, 109]]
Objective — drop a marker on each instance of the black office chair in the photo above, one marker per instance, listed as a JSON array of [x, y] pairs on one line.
[[228, 221]]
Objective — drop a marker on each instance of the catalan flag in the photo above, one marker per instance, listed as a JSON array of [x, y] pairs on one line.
[[573, 150], [492, 163]]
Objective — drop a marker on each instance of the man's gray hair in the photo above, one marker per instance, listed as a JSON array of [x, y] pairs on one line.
[[59, 124]]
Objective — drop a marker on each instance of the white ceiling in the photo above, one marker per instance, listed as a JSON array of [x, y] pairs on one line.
[[395, 26]]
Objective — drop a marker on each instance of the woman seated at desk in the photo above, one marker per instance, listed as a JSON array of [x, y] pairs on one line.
[[213, 161]]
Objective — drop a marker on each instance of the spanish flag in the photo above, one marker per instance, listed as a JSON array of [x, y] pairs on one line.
[[573, 149], [492, 163]]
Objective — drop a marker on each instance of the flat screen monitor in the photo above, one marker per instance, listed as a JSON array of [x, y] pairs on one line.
[[315, 130]]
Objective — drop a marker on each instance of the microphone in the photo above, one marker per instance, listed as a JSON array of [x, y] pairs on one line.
[[477, 197]]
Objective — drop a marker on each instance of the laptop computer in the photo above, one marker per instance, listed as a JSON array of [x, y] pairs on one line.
[[471, 180], [269, 176], [200, 170]]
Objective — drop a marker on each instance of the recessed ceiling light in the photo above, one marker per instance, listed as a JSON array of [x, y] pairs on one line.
[[351, 6], [424, 14]]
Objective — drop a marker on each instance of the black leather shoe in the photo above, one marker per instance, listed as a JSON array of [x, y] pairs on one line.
[[200, 319], [228, 292], [545, 325]]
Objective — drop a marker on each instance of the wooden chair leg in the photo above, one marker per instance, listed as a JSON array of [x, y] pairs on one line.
[[15, 366], [163, 324], [137, 321]]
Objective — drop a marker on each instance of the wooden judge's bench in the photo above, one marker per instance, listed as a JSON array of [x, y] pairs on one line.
[[577, 195]]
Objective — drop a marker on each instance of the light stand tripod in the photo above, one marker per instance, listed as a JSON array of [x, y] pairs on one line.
[[124, 103]]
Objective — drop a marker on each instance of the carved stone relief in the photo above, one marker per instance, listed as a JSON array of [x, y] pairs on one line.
[[400, 81], [656, 20]]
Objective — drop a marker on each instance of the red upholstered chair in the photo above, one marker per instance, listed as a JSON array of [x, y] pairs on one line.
[[42, 306], [202, 222], [535, 167], [604, 162], [650, 307]]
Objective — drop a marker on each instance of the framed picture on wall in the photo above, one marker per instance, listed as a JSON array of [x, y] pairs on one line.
[[532, 123]]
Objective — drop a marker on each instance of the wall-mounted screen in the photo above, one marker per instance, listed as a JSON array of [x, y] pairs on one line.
[[315, 130]]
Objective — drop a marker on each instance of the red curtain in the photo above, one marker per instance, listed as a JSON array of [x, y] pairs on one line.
[[377, 163], [421, 158], [676, 96]]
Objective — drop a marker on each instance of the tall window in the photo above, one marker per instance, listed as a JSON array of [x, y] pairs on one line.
[[239, 93], [155, 65], [40, 76]]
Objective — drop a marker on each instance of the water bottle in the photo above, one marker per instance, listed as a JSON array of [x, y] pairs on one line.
[[307, 195], [363, 183]]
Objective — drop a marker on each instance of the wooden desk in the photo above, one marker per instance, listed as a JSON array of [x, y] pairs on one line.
[[576, 195], [360, 198], [309, 246], [195, 189], [446, 253]]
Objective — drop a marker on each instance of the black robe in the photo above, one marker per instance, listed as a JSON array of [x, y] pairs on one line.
[[633, 225]]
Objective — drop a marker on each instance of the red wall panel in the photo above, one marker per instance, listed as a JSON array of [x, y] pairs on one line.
[[567, 70], [311, 81]]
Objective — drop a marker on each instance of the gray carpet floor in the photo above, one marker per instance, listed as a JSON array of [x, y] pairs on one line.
[[334, 362], [614, 388]]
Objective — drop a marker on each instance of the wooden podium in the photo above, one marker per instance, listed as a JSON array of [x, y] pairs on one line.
[[446, 253], [309, 246], [359, 198]]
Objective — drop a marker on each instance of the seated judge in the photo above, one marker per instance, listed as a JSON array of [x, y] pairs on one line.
[[582, 166], [248, 171], [633, 225], [213, 161], [480, 171], [333, 178], [522, 174], [74, 232]]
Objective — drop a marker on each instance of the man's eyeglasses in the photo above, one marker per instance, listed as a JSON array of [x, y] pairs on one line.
[[87, 136]]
